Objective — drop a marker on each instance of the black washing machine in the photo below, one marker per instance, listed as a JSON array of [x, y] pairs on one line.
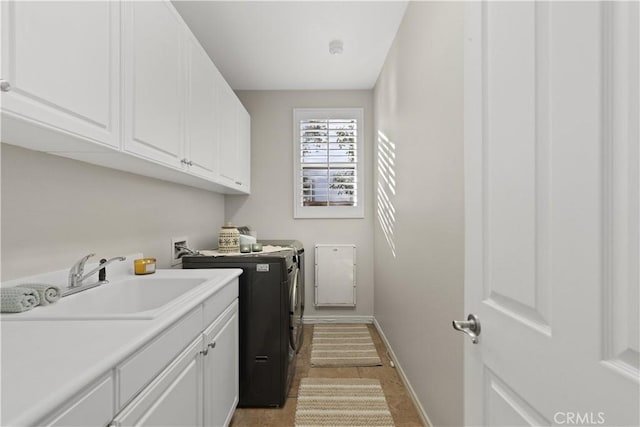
[[299, 288], [271, 297]]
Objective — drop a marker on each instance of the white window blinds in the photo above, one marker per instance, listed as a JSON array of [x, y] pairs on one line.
[[328, 162]]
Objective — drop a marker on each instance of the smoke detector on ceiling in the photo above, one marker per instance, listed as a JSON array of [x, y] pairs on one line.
[[336, 47]]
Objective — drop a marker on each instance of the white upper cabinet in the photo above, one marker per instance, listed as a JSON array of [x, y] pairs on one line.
[[234, 142], [154, 81], [121, 84], [203, 113], [244, 148], [62, 62], [228, 134]]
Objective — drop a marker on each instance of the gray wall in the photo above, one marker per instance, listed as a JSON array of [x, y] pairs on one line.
[[55, 210], [418, 292], [269, 208]]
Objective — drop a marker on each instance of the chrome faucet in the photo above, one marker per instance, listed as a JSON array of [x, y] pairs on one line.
[[77, 275]]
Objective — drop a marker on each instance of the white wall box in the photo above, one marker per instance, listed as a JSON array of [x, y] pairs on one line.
[[335, 276], [132, 90]]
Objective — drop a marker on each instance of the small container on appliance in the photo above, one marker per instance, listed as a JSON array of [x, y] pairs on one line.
[[229, 239]]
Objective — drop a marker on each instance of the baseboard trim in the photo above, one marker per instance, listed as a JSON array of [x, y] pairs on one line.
[[421, 412], [337, 319]]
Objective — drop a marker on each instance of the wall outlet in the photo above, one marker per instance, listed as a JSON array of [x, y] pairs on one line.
[[176, 244]]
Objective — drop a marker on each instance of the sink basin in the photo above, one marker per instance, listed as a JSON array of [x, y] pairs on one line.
[[132, 298]]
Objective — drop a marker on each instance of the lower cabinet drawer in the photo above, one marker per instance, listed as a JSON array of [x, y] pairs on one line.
[[145, 364], [93, 407], [174, 398], [217, 303]]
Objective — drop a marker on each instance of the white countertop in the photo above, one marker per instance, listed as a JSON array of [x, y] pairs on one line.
[[44, 363]]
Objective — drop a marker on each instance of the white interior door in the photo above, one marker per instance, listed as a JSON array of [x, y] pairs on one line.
[[552, 188]]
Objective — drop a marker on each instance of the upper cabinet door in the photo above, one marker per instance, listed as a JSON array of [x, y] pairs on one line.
[[203, 117], [244, 148], [154, 38], [228, 134], [62, 61], [235, 141]]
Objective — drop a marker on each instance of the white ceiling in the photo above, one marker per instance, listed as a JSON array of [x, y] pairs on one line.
[[280, 45]]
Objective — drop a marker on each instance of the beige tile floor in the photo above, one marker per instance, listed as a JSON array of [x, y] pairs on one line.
[[402, 409]]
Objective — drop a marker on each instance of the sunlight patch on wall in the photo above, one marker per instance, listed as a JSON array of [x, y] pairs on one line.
[[386, 191]]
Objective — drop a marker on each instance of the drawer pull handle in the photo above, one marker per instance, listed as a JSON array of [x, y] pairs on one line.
[[206, 350]]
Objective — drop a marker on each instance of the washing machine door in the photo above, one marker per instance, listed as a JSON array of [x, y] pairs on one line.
[[295, 311]]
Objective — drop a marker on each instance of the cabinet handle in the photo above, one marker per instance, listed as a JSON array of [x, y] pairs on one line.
[[238, 182], [206, 350], [5, 86]]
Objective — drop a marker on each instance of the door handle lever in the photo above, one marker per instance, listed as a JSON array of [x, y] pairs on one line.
[[471, 327]]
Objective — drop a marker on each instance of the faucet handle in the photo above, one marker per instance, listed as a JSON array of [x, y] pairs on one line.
[[82, 262], [78, 267], [77, 270]]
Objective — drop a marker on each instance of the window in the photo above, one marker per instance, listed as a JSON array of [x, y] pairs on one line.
[[328, 161]]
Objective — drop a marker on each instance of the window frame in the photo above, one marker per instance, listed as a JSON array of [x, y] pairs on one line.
[[300, 211]]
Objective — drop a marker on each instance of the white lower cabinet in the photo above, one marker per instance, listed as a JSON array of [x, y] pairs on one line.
[[199, 387], [93, 408], [221, 379], [174, 398]]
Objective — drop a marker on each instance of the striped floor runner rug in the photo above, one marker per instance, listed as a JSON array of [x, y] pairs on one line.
[[343, 345], [341, 402]]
